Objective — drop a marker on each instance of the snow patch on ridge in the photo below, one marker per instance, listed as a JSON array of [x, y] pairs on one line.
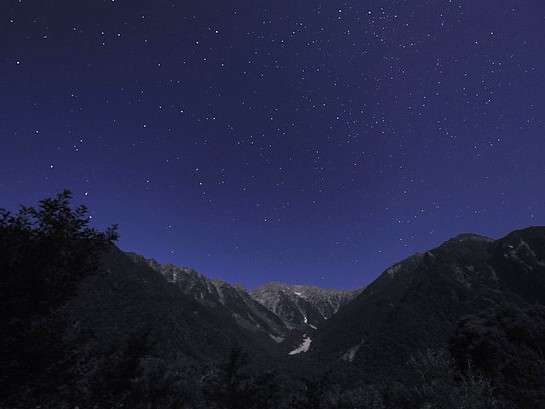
[[303, 347]]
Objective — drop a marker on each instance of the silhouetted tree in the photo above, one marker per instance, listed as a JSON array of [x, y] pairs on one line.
[[44, 253]]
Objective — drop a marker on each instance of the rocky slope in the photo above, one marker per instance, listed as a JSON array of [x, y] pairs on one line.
[[221, 297], [127, 299], [300, 306]]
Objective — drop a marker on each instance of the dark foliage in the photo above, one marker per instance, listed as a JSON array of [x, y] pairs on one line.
[[44, 253], [507, 345], [319, 393], [115, 375], [436, 383], [231, 386]]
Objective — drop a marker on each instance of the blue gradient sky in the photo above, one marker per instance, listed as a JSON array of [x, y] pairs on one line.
[[300, 141]]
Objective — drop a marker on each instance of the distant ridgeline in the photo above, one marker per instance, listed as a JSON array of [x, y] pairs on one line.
[[85, 324], [273, 314]]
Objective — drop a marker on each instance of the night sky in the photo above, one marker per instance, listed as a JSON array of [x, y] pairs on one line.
[[301, 141]]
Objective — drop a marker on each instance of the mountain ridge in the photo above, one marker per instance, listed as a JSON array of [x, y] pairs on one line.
[[219, 295], [302, 306], [287, 314], [416, 303]]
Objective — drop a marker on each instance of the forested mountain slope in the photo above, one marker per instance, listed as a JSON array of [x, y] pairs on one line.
[[416, 304]]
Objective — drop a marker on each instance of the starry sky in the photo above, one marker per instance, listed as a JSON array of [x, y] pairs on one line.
[[301, 141]]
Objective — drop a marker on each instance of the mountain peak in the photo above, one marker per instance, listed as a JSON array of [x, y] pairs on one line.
[[301, 306]]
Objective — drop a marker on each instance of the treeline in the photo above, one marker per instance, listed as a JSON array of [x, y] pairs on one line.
[[495, 359]]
